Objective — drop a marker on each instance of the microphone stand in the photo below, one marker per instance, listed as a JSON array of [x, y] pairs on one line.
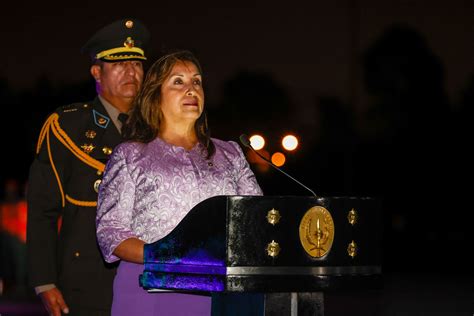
[[246, 142]]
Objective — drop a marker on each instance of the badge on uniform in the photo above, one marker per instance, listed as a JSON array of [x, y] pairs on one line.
[[100, 119], [96, 185], [90, 134], [88, 148], [107, 150]]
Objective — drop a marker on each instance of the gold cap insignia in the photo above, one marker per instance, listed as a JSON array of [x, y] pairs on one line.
[[129, 24], [87, 148], [90, 134], [129, 42]]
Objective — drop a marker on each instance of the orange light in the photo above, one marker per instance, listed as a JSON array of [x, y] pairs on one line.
[[278, 159], [13, 219], [257, 142], [289, 142]]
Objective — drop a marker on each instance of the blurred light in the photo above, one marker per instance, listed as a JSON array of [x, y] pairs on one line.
[[257, 142], [13, 219], [278, 159], [289, 142]]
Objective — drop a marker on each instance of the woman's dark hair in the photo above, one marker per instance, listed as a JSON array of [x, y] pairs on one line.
[[146, 116]]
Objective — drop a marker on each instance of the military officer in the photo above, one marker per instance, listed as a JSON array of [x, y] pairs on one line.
[[65, 265]]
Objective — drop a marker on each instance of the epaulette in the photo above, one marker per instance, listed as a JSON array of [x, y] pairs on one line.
[[74, 107], [52, 126]]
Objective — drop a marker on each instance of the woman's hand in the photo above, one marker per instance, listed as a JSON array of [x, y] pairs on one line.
[[130, 250]]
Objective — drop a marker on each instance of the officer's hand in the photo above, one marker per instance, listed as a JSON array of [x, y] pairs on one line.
[[53, 302]]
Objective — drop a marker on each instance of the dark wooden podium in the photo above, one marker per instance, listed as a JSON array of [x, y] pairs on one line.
[[291, 248]]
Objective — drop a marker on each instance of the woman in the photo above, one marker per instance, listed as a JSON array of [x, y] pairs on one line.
[[167, 166]]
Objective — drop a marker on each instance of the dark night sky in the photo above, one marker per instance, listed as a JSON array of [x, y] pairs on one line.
[[310, 49]]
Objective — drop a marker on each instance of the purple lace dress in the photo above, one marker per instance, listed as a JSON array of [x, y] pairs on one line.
[[147, 189]]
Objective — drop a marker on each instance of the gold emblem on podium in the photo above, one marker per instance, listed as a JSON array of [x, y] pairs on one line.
[[273, 216], [273, 249], [317, 231], [352, 249], [352, 217]]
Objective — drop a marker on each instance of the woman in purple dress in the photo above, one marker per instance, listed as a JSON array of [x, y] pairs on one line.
[[168, 165]]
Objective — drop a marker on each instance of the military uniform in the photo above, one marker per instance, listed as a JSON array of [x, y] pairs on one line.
[[73, 147]]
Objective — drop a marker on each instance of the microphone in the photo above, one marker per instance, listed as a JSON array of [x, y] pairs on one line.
[[246, 142]]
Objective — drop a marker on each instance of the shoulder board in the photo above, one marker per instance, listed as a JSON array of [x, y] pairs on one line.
[[74, 107], [71, 116]]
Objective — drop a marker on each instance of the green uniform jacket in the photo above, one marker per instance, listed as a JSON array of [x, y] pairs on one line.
[[73, 148]]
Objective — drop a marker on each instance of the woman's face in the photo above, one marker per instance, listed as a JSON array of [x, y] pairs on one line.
[[182, 95]]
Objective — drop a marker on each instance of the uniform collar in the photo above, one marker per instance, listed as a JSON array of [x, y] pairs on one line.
[[112, 111]]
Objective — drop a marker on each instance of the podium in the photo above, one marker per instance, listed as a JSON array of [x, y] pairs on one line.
[[291, 248]]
